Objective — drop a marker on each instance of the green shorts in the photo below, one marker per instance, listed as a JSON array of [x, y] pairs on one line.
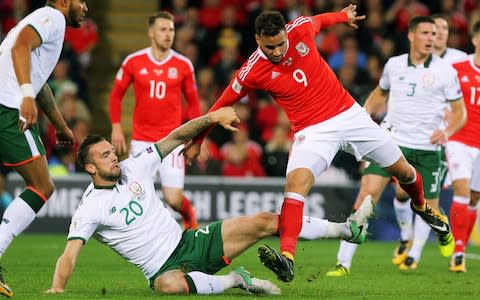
[[198, 250], [427, 163], [17, 147]]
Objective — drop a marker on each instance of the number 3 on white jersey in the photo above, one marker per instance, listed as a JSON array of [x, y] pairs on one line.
[[300, 77], [158, 89]]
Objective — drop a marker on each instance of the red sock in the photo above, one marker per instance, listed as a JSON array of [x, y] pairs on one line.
[[290, 224], [188, 214], [472, 219], [415, 190], [459, 223]]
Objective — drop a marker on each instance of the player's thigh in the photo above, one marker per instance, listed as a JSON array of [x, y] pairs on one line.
[[172, 169], [460, 159], [240, 233], [428, 164], [17, 147]]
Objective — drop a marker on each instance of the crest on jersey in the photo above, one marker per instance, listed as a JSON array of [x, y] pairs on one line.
[[172, 73], [136, 188], [288, 62], [428, 80], [302, 49]]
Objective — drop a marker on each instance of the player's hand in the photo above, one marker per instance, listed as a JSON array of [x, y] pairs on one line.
[[65, 136], [55, 291], [351, 11], [225, 117], [118, 139], [27, 114], [191, 152], [439, 137]]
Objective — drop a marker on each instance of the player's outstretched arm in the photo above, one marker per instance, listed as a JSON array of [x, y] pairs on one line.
[[224, 116], [375, 101], [46, 102], [351, 11], [65, 265]]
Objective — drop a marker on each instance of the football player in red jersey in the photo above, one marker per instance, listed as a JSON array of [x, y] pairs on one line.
[[323, 115], [160, 76], [462, 150]]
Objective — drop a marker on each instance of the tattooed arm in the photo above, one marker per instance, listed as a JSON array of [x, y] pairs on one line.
[[224, 116], [46, 102]]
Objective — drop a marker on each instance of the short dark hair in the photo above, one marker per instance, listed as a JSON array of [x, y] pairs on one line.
[[159, 15], [82, 154], [476, 27], [440, 16], [269, 23], [412, 25]]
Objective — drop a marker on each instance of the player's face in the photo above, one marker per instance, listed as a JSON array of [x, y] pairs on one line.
[[76, 12], [162, 34], [442, 33], [104, 162], [274, 47], [421, 40]]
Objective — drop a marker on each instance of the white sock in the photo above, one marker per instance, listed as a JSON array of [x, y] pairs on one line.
[[16, 218], [420, 237], [404, 216], [213, 284], [315, 228], [345, 253]]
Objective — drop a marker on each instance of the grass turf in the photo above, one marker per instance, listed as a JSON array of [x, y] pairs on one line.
[[100, 273]]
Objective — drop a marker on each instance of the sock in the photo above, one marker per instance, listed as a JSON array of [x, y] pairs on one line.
[[415, 190], [404, 215], [188, 214], [421, 231], [291, 218], [459, 221], [345, 253], [315, 228], [472, 219], [205, 284], [16, 218]]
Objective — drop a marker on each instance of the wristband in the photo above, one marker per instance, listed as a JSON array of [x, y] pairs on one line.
[[27, 90]]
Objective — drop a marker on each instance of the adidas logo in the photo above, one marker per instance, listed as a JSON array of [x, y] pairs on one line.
[[464, 79], [275, 74], [143, 71]]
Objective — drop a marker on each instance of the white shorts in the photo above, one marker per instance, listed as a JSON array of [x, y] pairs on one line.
[[352, 131], [475, 182], [172, 167], [460, 158]]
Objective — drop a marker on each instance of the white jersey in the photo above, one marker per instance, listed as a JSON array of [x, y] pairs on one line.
[[417, 100], [50, 25], [129, 217], [452, 55]]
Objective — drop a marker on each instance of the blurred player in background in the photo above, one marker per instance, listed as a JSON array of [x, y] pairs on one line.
[[28, 55], [161, 77], [121, 208], [418, 86], [463, 150], [323, 115]]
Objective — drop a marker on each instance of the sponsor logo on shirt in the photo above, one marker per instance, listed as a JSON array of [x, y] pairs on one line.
[[288, 62], [143, 71], [275, 74], [236, 86], [465, 79], [300, 139], [172, 73], [302, 49]]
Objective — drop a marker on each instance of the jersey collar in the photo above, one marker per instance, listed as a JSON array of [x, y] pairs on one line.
[[426, 64], [105, 187]]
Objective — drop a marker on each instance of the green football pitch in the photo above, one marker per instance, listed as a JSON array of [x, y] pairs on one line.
[[100, 273]]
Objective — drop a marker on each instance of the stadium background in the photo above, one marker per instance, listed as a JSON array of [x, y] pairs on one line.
[[217, 35]]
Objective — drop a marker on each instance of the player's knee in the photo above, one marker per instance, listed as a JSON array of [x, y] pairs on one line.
[[169, 286], [266, 223]]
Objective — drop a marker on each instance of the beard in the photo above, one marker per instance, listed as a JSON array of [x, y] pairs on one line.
[[110, 176], [73, 18]]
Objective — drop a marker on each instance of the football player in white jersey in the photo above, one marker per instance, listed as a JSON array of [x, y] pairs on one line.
[[122, 210], [28, 55], [418, 86]]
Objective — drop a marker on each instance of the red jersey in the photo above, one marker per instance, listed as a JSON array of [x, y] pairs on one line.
[[302, 83], [469, 76], [158, 87]]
